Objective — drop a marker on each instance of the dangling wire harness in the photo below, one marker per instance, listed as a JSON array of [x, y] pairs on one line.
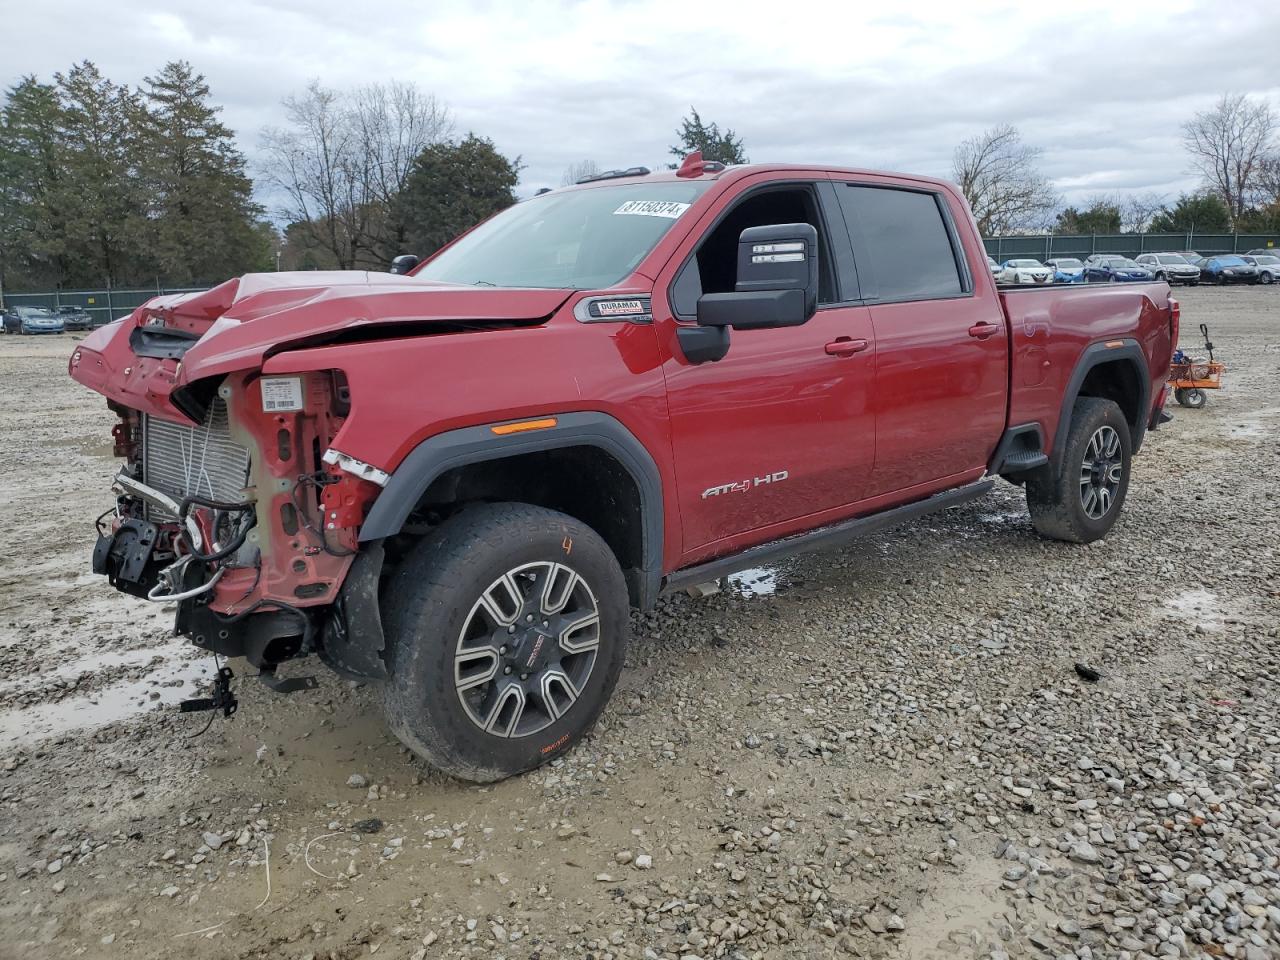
[[169, 589]]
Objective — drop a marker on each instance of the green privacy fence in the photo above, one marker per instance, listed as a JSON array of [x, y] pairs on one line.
[[103, 305], [1044, 246]]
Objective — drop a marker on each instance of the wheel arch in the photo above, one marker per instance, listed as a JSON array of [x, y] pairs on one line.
[[625, 508], [1114, 370]]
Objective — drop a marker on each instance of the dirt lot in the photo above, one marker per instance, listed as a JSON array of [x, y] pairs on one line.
[[880, 752]]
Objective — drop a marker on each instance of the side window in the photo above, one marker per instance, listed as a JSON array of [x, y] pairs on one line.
[[713, 269], [902, 241]]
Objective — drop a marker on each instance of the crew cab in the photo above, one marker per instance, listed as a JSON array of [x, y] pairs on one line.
[[455, 481]]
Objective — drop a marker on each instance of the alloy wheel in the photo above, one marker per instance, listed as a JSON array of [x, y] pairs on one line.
[[1101, 472], [526, 649]]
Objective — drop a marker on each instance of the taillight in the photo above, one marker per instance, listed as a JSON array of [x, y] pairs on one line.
[[1175, 321]]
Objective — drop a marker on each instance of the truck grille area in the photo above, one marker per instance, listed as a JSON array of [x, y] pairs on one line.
[[185, 461]]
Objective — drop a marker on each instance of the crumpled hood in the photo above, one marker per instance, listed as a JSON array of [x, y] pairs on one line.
[[241, 322]]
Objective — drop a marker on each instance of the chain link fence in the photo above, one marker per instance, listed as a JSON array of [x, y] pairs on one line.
[[102, 305], [1046, 246]]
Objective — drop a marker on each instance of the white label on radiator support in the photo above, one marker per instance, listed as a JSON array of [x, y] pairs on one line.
[[281, 394]]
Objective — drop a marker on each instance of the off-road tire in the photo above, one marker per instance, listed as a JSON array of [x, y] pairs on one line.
[[427, 606], [1054, 494]]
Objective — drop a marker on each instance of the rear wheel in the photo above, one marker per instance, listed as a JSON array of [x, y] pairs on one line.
[[507, 629], [1265, 278], [1080, 501], [1195, 398]]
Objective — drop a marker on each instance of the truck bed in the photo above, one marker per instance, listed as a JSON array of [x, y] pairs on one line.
[[1051, 327]]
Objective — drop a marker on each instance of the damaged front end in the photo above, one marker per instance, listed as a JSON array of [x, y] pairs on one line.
[[246, 519]]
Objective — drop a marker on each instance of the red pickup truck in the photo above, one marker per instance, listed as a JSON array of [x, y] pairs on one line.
[[454, 479]]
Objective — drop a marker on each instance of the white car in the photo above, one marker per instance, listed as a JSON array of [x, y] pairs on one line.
[[1172, 267], [1024, 271]]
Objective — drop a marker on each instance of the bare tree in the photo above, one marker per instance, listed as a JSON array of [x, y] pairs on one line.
[[1140, 209], [998, 174], [1269, 180], [576, 171], [342, 160], [1227, 146]]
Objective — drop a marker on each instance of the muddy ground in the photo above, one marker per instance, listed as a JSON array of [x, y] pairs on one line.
[[880, 752]]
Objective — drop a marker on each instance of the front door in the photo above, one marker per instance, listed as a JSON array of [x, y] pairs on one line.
[[782, 427]]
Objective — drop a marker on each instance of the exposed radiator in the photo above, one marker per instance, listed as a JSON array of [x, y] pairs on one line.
[[202, 461]]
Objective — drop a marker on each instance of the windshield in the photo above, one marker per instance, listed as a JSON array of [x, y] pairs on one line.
[[1232, 262], [1120, 263], [1171, 258], [580, 239], [1266, 261], [1024, 263], [1068, 264], [35, 313]]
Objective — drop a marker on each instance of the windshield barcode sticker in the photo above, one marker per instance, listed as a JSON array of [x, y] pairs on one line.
[[281, 394], [652, 208]]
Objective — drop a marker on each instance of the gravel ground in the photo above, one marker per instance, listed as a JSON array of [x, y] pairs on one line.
[[882, 752]]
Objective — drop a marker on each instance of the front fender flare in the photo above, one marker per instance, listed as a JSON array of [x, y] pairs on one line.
[[455, 448]]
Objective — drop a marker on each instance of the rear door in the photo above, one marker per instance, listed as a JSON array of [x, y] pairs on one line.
[[781, 428], [942, 352]]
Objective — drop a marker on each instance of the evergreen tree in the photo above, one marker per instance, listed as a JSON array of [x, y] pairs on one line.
[[1201, 213], [694, 135], [101, 192], [32, 224], [201, 214], [1101, 216], [452, 187]]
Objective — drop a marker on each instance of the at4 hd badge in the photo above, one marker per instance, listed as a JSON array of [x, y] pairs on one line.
[[745, 486]]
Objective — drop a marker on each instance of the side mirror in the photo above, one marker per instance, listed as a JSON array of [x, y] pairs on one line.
[[404, 263], [777, 281]]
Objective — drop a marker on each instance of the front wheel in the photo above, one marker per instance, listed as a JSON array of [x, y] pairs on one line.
[[1265, 278], [507, 630], [1194, 397], [1080, 500]]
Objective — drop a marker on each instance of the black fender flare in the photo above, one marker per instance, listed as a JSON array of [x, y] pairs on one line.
[[1126, 349], [456, 448]]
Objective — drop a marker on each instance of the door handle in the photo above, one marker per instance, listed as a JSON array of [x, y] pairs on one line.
[[984, 330], [846, 347]]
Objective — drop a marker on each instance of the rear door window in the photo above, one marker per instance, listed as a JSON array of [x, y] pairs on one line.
[[903, 243]]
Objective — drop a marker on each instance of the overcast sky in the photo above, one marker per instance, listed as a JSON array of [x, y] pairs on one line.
[[1102, 88]]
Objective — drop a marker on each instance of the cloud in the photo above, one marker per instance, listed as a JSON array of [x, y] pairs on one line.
[[1102, 88]]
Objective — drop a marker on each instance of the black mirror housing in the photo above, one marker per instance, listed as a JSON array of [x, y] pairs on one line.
[[777, 282], [762, 310], [404, 263]]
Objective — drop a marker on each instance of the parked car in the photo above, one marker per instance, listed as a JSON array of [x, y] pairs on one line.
[[1263, 251], [32, 320], [1109, 268], [1024, 271], [1066, 269], [1189, 255], [1171, 267], [1227, 269], [75, 318], [1268, 266], [471, 542], [991, 262]]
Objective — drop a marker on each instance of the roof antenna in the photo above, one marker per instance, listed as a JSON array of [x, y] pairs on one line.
[[695, 166]]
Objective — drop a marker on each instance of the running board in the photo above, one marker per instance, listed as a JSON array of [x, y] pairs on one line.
[[823, 538]]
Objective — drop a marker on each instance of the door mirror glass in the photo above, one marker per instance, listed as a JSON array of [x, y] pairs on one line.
[[777, 280], [404, 263]]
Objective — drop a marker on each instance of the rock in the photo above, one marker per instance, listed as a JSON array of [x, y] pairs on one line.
[[54, 865], [644, 862], [212, 840], [59, 886], [566, 832], [1198, 881], [357, 781], [1082, 851], [372, 825], [169, 891], [623, 856], [895, 924], [108, 940]]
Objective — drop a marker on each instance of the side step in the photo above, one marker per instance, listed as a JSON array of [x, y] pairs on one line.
[[1019, 460], [823, 538]]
